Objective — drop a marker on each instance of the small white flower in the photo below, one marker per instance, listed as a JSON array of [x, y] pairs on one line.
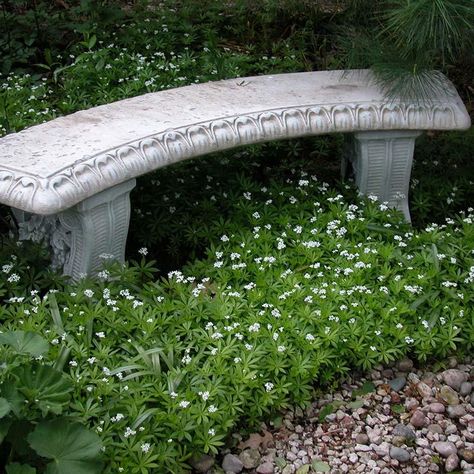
[[129, 432], [204, 395], [143, 251], [269, 386]]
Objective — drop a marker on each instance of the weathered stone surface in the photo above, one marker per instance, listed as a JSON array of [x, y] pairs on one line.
[[266, 468], [452, 462], [203, 463], [436, 407], [418, 419], [400, 454], [456, 411], [398, 383], [445, 448], [403, 431], [449, 395], [232, 463], [467, 455], [405, 365], [454, 378], [362, 438], [424, 390], [250, 458], [465, 389]]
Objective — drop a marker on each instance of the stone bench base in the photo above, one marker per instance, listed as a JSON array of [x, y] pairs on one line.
[[81, 238]]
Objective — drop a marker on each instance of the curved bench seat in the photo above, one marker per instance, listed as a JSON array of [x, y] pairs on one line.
[[64, 163]]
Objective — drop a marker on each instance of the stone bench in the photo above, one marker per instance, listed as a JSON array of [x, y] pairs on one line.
[[68, 180]]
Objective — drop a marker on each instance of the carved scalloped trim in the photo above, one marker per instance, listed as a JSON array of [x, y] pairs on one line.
[[97, 173]]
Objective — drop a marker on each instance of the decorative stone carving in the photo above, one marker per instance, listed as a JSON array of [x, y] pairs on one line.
[[79, 236], [47, 230], [382, 164]]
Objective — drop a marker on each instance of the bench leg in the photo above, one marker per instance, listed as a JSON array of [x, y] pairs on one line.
[[382, 164], [82, 236]]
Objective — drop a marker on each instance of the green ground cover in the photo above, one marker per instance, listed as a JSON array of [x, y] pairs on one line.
[[254, 277]]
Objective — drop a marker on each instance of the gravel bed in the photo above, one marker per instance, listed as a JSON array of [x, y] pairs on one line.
[[396, 420]]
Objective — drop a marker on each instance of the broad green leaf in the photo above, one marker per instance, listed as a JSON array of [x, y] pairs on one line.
[[16, 468], [4, 427], [5, 407], [359, 403], [303, 469], [25, 342], [280, 462], [368, 387], [398, 409], [71, 446], [44, 386], [14, 398], [325, 411], [320, 466]]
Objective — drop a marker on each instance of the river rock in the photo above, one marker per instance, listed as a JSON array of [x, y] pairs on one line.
[[397, 384], [454, 378], [232, 463], [465, 389], [456, 411], [202, 463], [467, 455], [362, 438], [418, 419], [424, 390], [250, 458], [445, 448], [451, 463], [434, 428], [436, 407], [449, 395], [266, 468], [400, 454], [403, 431], [405, 365]]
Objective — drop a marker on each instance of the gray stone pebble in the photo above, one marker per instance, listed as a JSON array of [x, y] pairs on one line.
[[465, 389], [397, 384], [403, 431], [445, 448], [400, 454]]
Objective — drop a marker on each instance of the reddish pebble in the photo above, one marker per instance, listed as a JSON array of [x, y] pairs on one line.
[[436, 407], [418, 419]]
